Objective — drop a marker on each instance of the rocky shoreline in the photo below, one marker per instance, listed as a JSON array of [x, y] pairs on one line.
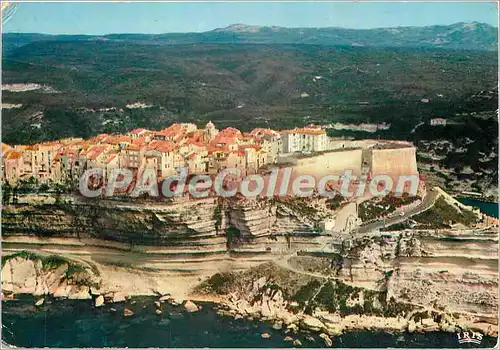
[[273, 308], [325, 325]]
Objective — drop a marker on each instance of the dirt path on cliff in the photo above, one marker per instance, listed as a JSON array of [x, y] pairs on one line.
[[283, 262]]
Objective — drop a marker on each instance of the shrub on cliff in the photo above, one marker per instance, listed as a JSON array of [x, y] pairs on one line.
[[220, 283], [442, 214], [306, 292]]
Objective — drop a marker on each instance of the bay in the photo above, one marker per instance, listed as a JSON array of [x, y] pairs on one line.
[[488, 208]]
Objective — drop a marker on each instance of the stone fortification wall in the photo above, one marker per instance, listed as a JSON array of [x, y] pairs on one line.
[[336, 144], [394, 161], [334, 162]]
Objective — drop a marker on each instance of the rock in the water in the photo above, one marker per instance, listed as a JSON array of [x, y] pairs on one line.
[[157, 303], [165, 297], [190, 306], [278, 325], [288, 338], [293, 327], [332, 329], [297, 342], [39, 302], [312, 324], [326, 339], [99, 301], [238, 317], [412, 327], [310, 338], [118, 297], [112, 309], [127, 312], [158, 312], [328, 342], [265, 335]]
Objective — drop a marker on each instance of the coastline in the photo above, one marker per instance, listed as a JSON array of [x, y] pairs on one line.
[[327, 325], [120, 284], [65, 324]]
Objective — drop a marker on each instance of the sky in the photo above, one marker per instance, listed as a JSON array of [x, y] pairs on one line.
[[105, 17]]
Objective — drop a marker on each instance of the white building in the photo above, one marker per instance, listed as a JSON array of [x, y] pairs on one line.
[[304, 140], [438, 121]]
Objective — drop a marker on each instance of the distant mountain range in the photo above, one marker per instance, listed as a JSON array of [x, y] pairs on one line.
[[459, 36]]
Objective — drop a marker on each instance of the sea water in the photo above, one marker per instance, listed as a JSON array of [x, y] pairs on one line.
[[77, 323]]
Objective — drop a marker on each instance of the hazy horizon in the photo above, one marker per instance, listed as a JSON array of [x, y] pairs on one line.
[[251, 25], [190, 17]]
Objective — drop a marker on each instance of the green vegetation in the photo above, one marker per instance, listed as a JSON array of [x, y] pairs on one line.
[[22, 254], [218, 217], [231, 234], [299, 205], [397, 227], [374, 208], [76, 272], [11, 192], [220, 283], [306, 292], [335, 295], [335, 202], [443, 215], [208, 81], [54, 261]]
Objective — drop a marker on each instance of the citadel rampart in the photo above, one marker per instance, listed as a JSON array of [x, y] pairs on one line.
[[393, 158], [333, 162], [394, 161]]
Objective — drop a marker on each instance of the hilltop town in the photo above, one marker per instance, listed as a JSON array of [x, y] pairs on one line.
[[203, 151]]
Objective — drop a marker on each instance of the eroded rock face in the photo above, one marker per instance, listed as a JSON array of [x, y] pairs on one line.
[[29, 276]]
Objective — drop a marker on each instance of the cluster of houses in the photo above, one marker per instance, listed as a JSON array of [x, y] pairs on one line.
[[201, 151]]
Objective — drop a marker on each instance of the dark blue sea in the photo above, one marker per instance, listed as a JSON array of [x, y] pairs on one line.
[[488, 208], [73, 323]]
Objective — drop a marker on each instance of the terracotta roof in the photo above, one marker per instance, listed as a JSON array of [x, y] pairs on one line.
[[95, 152], [137, 131], [263, 131], [117, 139], [133, 147], [14, 155], [250, 146], [5, 148], [99, 137], [224, 140], [110, 158], [230, 132], [161, 146], [140, 141]]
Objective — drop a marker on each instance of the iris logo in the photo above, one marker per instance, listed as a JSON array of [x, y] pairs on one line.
[[469, 337]]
